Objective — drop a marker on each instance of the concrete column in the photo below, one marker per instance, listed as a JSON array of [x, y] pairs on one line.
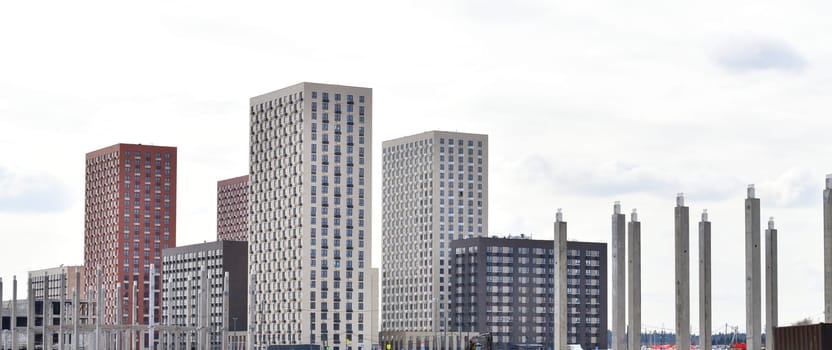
[[206, 310], [188, 301], [134, 311], [170, 337], [30, 318], [682, 228], [225, 313], [152, 313], [251, 315], [827, 249], [771, 284], [62, 301], [76, 301], [634, 281], [13, 324], [619, 300], [99, 307], [705, 341], [2, 341], [47, 307], [752, 270], [200, 310], [560, 337]]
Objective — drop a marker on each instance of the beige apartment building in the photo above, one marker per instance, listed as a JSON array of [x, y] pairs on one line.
[[434, 191], [309, 229]]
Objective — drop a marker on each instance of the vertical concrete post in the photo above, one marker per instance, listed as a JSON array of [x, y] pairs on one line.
[[682, 228], [771, 284], [251, 315], [619, 301], [62, 301], [169, 337], [99, 306], [827, 250], [634, 281], [225, 313], [752, 270], [2, 312], [200, 309], [134, 311], [206, 310], [76, 301], [705, 340], [30, 316], [46, 317], [151, 334], [199, 315], [560, 340], [13, 321], [188, 301]]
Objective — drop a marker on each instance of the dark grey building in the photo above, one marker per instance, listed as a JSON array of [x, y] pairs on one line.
[[182, 268], [504, 286]]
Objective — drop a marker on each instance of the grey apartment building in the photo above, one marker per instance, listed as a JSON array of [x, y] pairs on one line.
[[181, 303], [434, 192], [504, 286], [310, 208]]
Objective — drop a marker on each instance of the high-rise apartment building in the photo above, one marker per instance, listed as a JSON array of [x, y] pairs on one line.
[[130, 216], [310, 203], [434, 192], [182, 303], [504, 286], [232, 209]]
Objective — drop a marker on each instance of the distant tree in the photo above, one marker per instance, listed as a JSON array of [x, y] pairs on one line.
[[803, 322]]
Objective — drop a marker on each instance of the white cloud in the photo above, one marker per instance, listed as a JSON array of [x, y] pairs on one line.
[[759, 54], [22, 192]]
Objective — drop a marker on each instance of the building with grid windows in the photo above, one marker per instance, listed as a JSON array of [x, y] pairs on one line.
[[181, 302], [130, 216], [434, 192], [232, 209], [310, 212], [57, 281], [505, 286]]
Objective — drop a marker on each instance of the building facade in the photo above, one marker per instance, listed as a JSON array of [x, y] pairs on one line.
[[505, 286], [434, 192], [130, 216], [181, 302], [232, 209], [310, 202], [57, 280]]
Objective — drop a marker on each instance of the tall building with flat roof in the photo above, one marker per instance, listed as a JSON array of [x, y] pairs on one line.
[[310, 190], [505, 286], [434, 192], [232, 209], [130, 216], [183, 266]]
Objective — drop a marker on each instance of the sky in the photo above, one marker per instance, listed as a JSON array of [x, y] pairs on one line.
[[585, 103]]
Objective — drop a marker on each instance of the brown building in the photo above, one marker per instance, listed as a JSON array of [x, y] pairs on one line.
[[130, 216], [57, 281], [232, 209]]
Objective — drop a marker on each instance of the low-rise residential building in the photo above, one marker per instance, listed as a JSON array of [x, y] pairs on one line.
[[505, 286], [182, 304]]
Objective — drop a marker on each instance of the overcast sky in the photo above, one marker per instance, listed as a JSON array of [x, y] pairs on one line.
[[585, 103]]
